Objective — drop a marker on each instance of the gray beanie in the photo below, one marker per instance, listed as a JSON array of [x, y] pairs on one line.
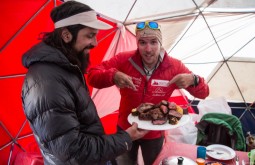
[[148, 32]]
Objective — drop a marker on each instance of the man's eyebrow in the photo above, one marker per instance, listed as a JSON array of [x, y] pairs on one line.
[[92, 33]]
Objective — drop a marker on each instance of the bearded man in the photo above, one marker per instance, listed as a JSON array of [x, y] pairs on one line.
[[55, 97]]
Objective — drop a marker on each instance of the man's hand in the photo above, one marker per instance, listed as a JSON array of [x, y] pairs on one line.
[[122, 80], [136, 133], [183, 80]]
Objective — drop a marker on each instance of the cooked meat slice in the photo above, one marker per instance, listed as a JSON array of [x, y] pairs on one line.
[[174, 114], [172, 105], [159, 121], [164, 109], [164, 102], [145, 116], [156, 113]]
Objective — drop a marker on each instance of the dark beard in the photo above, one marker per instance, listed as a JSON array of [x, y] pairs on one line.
[[81, 59], [84, 61]]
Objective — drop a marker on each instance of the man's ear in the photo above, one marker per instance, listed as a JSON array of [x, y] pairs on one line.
[[66, 35]]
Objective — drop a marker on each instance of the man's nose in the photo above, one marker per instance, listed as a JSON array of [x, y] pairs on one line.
[[94, 42], [148, 47]]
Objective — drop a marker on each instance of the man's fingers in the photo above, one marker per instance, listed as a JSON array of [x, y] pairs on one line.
[[123, 81], [135, 125], [182, 80], [130, 83], [176, 78]]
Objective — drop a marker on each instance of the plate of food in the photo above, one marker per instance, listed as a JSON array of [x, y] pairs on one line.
[[163, 116], [220, 152]]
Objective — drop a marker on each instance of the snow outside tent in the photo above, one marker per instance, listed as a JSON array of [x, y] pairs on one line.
[[215, 39]]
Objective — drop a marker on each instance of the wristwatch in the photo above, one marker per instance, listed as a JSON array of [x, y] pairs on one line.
[[196, 80]]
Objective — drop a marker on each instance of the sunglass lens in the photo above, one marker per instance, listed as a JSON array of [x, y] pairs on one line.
[[153, 25], [140, 25]]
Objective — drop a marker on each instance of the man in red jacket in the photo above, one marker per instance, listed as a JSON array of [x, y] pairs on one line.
[[149, 75]]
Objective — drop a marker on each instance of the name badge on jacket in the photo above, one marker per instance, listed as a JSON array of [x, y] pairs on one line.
[[162, 83]]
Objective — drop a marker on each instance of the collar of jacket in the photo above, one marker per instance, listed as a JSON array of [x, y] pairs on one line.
[[42, 52]]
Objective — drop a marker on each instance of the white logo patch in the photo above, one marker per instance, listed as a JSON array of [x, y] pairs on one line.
[[162, 83]]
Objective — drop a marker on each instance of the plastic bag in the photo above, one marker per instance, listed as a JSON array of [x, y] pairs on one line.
[[184, 134], [218, 105]]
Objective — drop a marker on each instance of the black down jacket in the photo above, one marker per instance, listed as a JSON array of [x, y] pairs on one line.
[[62, 114]]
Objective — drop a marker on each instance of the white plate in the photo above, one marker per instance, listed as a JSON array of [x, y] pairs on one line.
[[149, 126], [173, 161], [228, 153]]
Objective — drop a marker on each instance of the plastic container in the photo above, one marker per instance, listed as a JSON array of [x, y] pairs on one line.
[[200, 161], [201, 152], [251, 156]]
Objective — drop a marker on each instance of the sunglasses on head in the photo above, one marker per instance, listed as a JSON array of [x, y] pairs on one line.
[[150, 24]]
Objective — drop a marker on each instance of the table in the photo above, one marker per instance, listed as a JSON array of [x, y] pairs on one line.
[[190, 151]]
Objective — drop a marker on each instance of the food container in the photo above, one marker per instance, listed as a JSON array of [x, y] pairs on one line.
[[174, 160], [200, 161]]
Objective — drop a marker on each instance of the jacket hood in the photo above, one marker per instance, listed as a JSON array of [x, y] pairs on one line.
[[43, 53]]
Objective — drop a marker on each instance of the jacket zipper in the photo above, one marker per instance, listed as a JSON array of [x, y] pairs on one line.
[[81, 74], [145, 89]]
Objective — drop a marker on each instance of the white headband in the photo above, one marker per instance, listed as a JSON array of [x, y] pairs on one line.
[[88, 18]]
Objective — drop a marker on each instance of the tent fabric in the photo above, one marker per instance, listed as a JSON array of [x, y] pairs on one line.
[[215, 39], [21, 24], [211, 27]]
